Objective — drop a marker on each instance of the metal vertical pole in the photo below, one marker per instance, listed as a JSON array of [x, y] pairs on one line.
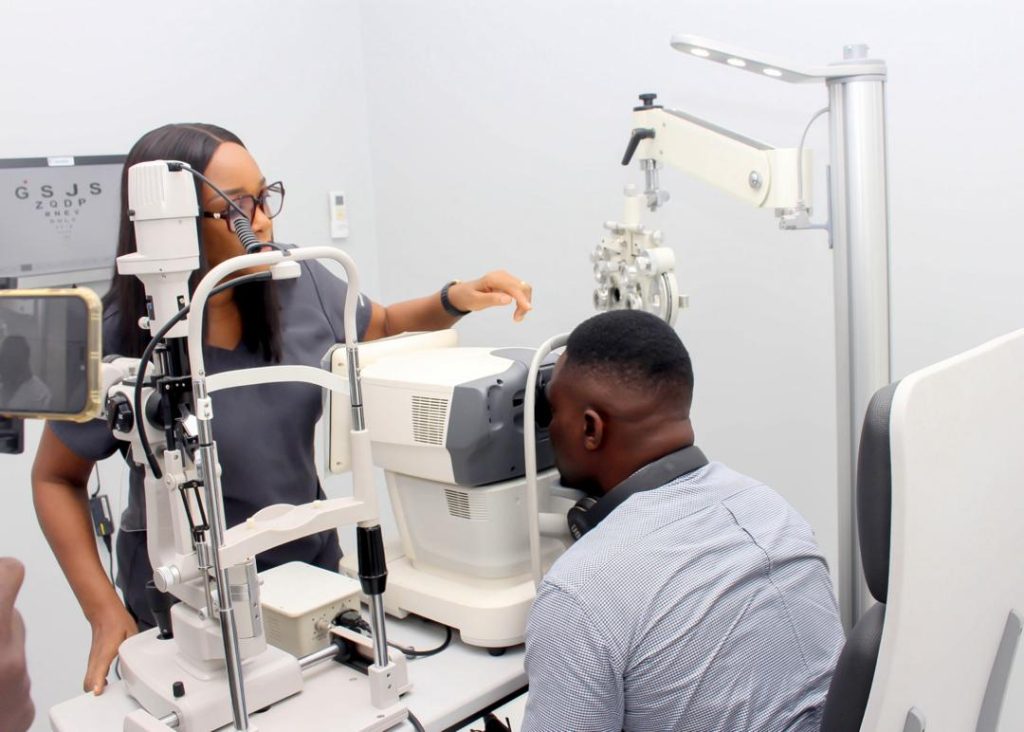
[[371, 550], [860, 219], [226, 611]]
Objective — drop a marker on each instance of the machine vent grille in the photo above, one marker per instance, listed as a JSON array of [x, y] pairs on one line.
[[428, 415], [462, 505]]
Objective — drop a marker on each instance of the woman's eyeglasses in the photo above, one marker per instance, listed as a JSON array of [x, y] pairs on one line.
[[270, 201]]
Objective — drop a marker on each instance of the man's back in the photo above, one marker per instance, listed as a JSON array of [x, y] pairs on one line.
[[702, 605]]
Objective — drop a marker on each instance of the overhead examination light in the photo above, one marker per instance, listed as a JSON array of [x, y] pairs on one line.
[[856, 62]]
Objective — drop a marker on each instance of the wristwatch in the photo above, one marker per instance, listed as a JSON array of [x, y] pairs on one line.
[[447, 304]]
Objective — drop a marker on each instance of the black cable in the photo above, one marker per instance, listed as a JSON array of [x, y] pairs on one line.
[[147, 355], [117, 668], [415, 722], [245, 236], [352, 620], [271, 244], [110, 556], [242, 228], [99, 485], [107, 541], [414, 653], [140, 376], [176, 166]]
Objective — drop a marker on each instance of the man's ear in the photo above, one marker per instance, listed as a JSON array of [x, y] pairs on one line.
[[593, 430]]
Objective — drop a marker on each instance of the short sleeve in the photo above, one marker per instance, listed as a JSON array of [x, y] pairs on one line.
[[90, 440], [574, 682], [332, 291]]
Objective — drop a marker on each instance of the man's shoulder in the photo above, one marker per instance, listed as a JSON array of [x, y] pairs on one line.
[[592, 571], [687, 509]]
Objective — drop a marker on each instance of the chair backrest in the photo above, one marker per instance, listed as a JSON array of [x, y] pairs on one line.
[[851, 682], [939, 511], [956, 580]]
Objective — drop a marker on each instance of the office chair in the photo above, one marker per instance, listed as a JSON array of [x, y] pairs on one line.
[[851, 682]]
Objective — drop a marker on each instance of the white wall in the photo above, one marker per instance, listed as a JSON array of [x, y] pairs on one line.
[[90, 78]]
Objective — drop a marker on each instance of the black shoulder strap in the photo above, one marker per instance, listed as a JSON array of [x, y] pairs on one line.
[[661, 471]]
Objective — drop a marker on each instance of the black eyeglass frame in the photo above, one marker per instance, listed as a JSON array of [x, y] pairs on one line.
[[260, 201]]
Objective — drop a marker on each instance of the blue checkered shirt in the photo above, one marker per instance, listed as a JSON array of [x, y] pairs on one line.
[[704, 605]]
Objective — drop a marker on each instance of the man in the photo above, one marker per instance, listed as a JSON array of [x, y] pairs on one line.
[[696, 598], [16, 708]]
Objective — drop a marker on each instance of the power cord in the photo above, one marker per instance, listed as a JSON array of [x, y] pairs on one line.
[[102, 522], [175, 166], [147, 354], [800, 154], [415, 653], [99, 484], [246, 235], [352, 620]]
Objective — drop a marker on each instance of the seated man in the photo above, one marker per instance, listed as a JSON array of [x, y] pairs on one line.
[[696, 597]]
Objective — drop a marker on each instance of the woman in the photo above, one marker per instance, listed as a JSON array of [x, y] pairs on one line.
[[264, 433]]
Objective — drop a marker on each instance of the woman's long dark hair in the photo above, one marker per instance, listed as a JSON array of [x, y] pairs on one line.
[[257, 302]]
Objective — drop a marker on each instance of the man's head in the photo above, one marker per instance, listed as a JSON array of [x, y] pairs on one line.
[[620, 398]]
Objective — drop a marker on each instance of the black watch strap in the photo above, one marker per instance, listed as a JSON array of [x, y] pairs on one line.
[[447, 304]]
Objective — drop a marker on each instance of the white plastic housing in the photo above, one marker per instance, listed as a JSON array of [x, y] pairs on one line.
[[480, 532], [408, 383], [151, 667], [339, 449], [156, 193], [408, 400], [465, 554], [751, 170], [954, 569], [300, 601], [163, 206]]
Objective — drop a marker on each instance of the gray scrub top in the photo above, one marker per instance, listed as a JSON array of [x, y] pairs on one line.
[[264, 433]]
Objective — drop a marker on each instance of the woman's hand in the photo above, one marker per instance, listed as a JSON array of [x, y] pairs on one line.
[[426, 313], [493, 289], [109, 629]]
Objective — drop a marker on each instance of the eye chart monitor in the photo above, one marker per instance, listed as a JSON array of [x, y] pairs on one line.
[[59, 214]]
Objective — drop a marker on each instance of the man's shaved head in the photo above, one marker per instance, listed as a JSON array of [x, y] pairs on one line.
[[634, 350], [620, 398]]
